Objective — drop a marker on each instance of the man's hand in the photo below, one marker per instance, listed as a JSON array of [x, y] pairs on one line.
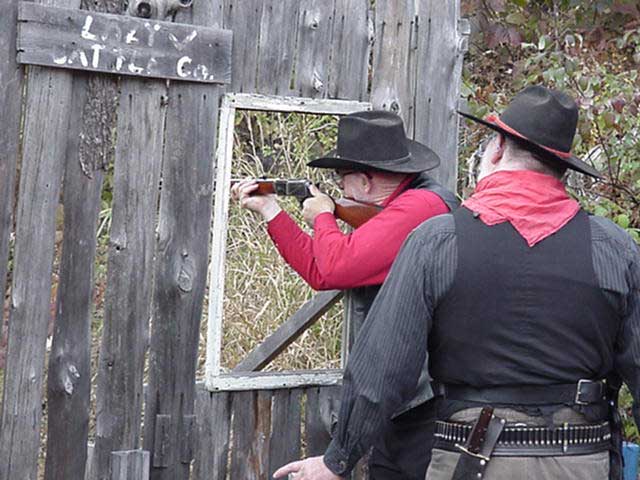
[[314, 206], [308, 469], [265, 205]]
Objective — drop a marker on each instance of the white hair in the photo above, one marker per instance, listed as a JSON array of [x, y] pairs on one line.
[[521, 158]]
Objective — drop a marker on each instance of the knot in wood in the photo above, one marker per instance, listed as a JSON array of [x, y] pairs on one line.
[[185, 275], [184, 281], [314, 23]]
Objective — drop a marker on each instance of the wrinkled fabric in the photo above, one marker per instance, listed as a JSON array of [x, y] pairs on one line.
[[334, 260], [537, 205]]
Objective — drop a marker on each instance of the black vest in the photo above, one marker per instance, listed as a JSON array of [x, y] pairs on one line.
[[362, 298], [517, 315]]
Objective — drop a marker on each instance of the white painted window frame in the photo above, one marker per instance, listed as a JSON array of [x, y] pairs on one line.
[[215, 379]]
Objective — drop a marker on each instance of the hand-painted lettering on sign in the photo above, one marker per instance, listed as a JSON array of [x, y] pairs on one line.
[[122, 45]]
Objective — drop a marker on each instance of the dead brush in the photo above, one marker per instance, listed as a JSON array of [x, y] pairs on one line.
[[261, 290]]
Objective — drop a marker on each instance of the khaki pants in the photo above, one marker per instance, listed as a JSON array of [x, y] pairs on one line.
[[580, 467]]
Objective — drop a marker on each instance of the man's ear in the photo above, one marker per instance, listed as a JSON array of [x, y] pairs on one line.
[[498, 151], [366, 183]]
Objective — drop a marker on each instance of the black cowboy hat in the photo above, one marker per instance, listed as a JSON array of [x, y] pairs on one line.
[[543, 121], [375, 140]]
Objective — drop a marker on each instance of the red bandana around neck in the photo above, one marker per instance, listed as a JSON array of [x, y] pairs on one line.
[[536, 205]]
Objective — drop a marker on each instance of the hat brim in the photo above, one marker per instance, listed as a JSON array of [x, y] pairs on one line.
[[420, 159], [572, 162]]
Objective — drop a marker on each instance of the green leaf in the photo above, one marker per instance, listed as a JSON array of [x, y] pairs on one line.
[[623, 220], [601, 211], [542, 42]]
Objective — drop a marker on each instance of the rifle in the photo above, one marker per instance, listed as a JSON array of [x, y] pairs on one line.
[[350, 211]]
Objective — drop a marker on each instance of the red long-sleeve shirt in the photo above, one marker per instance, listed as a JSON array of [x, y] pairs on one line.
[[332, 260]]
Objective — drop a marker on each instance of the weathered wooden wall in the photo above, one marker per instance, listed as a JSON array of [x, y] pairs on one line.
[[43, 155], [268, 428], [11, 77], [404, 55], [89, 152], [181, 267]]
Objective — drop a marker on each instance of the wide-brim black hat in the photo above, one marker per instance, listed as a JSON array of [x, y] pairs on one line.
[[376, 140], [543, 121]]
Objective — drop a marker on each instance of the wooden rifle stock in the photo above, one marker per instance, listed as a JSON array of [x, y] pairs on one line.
[[350, 211], [355, 213]]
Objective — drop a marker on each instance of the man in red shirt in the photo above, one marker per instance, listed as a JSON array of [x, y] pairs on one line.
[[375, 163]]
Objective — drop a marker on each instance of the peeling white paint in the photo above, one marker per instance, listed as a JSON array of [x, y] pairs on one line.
[[202, 71], [133, 68], [83, 59], [95, 60], [180, 67], [180, 45], [151, 65], [85, 29], [119, 61], [131, 37], [152, 33], [73, 57]]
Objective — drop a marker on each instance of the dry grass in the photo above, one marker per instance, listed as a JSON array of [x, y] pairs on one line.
[[261, 290]]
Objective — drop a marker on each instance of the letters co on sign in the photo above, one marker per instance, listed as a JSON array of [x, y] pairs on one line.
[[123, 45]]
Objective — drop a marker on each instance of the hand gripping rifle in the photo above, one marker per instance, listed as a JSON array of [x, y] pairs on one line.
[[350, 211]]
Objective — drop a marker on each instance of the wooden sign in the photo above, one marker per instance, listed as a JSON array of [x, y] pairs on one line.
[[123, 45]]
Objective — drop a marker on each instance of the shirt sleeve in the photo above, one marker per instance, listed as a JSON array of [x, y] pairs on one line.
[[364, 256], [332, 259], [296, 247], [628, 348], [387, 358]]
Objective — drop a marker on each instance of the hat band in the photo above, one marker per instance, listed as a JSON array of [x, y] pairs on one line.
[[496, 121]]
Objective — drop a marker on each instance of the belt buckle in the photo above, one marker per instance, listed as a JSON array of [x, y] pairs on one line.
[[581, 382]]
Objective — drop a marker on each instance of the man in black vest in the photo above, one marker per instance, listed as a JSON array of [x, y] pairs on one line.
[[529, 309]]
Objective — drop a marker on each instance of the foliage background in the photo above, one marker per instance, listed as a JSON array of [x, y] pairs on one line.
[[591, 49]]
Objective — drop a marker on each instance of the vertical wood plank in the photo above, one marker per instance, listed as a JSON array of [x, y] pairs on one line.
[[11, 77], [130, 270], [251, 435], [130, 465], [69, 379], [276, 47], [243, 17], [315, 25], [213, 413], [90, 471], [285, 434], [244, 457], [262, 436], [317, 433], [89, 149], [439, 63], [393, 86], [351, 42], [46, 121], [181, 262]]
